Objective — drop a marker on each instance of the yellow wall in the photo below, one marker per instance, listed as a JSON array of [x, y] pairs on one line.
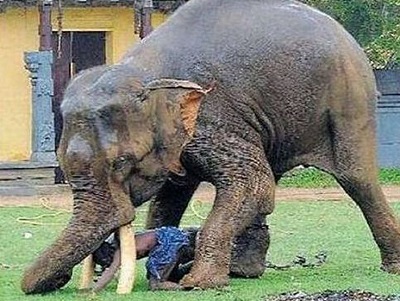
[[117, 22], [18, 33]]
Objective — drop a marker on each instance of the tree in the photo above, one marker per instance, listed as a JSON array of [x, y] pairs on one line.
[[374, 23]]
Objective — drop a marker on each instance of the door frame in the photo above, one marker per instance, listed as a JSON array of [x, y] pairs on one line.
[[108, 34]]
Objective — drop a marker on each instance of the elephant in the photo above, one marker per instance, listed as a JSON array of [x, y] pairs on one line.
[[230, 92]]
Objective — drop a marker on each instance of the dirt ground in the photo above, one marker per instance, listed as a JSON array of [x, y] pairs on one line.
[[60, 196]]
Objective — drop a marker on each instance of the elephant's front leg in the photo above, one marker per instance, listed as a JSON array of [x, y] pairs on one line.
[[171, 202], [245, 188]]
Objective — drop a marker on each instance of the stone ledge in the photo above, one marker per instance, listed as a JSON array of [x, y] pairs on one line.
[[25, 174], [33, 190], [26, 165]]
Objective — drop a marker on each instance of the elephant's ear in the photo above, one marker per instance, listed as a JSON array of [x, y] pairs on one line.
[[189, 97], [190, 104]]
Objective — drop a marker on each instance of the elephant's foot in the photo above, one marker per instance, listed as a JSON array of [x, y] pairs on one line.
[[243, 270], [156, 285], [204, 280], [249, 251]]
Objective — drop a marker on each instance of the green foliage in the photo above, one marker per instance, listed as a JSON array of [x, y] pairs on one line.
[[313, 178], [374, 23], [297, 228]]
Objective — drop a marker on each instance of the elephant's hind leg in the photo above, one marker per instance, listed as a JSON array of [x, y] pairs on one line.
[[380, 217], [355, 168]]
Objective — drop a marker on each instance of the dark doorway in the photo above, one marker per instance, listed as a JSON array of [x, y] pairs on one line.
[[88, 50], [73, 52]]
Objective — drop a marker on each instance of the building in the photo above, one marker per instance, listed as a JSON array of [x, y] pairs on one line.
[[83, 34], [91, 35]]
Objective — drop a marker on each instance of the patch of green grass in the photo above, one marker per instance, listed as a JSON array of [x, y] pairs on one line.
[[307, 178], [314, 178], [389, 176], [297, 228]]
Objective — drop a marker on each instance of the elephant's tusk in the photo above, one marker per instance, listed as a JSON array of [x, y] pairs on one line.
[[128, 260], [109, 273], [87, 273]]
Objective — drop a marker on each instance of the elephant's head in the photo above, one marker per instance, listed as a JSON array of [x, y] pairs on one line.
[[120, 139]]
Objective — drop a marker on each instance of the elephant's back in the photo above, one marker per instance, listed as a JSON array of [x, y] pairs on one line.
[[220, 36], [275, 56]]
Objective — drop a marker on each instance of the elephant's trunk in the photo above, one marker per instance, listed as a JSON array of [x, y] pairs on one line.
[[53, 269], [92, 222]]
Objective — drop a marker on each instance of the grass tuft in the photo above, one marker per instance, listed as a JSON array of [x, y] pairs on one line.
[[314, 178], [389, 176]]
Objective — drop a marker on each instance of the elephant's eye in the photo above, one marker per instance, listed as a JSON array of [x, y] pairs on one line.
[[120, 163]]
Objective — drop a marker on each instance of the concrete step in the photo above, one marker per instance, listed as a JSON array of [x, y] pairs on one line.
[[25, 177]]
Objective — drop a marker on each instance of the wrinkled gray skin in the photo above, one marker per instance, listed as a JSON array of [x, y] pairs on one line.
[[289, 87]]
